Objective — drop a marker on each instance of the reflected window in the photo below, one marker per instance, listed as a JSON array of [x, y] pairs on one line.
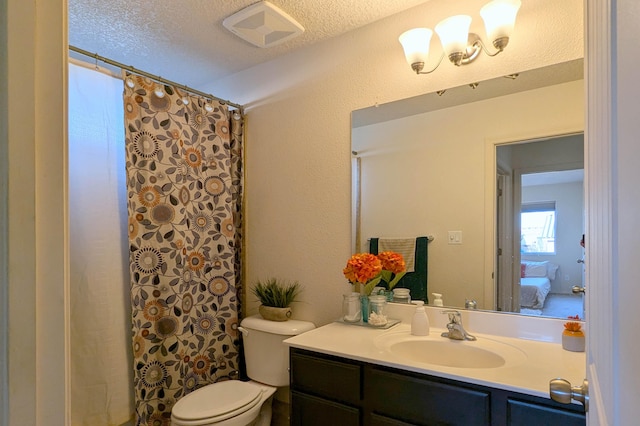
[[538, 228]]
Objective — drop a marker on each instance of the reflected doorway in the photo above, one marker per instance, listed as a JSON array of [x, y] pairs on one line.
[[540, 222]]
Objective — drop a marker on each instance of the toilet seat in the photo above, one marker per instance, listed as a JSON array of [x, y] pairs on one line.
[[217, 402]]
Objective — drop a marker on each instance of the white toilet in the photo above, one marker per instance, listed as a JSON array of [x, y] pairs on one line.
[[237, 403]]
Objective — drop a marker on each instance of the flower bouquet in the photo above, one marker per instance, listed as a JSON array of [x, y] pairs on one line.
[[368, 270]]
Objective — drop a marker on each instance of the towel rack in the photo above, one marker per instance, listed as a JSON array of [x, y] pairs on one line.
[[429, 238]]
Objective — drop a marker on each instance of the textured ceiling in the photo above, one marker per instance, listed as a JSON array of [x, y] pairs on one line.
[[184, 40]]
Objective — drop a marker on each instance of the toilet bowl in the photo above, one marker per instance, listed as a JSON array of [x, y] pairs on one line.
[[238, 403]]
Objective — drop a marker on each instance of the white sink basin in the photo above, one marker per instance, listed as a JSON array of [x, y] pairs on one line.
[[441, 351]]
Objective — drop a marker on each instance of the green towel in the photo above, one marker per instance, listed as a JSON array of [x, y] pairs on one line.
[[415, 281]]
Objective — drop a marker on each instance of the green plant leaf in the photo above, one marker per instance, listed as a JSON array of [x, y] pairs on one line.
[[276, 293]]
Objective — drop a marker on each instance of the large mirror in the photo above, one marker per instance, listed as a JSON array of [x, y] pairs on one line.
[[431, 165]]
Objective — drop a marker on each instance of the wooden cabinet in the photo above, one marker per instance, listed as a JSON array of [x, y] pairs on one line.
[[329, 390]]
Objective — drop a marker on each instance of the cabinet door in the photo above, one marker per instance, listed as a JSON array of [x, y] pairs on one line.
[[525, 413], [421, 400], [309, 410], [327, 377]]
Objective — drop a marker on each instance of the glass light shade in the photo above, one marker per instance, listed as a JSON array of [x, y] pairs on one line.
[[416, 43], [499, 18], [454, 33]]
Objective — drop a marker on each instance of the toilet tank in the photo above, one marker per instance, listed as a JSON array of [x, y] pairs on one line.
[[266, 357]]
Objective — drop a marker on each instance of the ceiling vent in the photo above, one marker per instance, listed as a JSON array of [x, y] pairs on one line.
[[263, 24]]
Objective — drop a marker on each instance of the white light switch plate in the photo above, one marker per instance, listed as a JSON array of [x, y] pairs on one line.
[[455, 237]]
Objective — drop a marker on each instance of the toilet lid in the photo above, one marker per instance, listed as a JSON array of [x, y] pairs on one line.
[[221, 399]]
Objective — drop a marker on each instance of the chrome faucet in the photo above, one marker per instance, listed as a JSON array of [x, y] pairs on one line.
[[456, 330]]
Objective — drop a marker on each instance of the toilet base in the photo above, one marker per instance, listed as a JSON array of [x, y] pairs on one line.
[[266, 412]]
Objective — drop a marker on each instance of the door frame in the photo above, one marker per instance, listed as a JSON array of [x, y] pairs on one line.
[[600, 68]]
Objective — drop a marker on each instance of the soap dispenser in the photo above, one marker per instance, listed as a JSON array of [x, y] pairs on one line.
[[437, 299], [420, 321]]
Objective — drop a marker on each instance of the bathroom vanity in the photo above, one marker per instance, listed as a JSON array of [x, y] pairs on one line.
[[328, 390], [349, 375]]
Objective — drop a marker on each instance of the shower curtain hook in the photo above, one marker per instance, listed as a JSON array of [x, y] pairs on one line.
[[96, 58]]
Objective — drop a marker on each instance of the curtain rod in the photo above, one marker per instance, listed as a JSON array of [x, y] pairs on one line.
[[152, 76]]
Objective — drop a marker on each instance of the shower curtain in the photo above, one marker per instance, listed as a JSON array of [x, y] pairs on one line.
[[101, 359], [184, 187]]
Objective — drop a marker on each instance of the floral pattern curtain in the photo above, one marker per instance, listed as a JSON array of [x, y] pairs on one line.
[[184, 187]]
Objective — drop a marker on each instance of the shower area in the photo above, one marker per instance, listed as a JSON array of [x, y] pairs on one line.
[[155, 191]]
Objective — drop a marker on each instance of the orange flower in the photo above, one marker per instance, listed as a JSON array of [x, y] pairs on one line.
[[572, 325], [193, 157], [362, 267], [392, 261]]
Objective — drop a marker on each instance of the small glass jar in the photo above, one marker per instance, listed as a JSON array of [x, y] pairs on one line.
[[401, 295], [383, 291], [351, 307], [377, 308]]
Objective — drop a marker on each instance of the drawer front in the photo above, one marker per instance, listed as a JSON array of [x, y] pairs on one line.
[[309, 410], [377, 420], [326, 377], [525, 413], [425, 401]]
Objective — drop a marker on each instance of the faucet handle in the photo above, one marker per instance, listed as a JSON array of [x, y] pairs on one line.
[[454, 316]]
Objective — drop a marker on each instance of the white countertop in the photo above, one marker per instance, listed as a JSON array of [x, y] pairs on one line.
[[543, 361]]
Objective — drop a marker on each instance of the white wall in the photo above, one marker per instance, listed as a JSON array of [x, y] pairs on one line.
[[425, 175], [298, 133]]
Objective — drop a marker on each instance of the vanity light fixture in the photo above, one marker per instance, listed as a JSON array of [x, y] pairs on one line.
[[461, 46]]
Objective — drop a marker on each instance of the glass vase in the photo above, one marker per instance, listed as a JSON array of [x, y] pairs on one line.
[[364, 307]]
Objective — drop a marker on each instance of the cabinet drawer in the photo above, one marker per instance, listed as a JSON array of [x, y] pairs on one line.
[[311, 411], [525, 413], [426, 401], [377, 420], [330, 378]]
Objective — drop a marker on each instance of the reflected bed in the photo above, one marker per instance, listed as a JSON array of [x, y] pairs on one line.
[[535, 282], [534, 291]]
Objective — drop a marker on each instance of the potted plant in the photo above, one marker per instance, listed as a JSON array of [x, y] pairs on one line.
[[275, 297], [573, 336]]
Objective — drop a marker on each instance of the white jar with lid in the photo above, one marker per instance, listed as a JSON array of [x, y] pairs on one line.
[[402, 295]]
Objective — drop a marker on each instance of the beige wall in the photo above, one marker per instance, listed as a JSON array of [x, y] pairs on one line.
[[425, 174], [298, 139], [35, 244]]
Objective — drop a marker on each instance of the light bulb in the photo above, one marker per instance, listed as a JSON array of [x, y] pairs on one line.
[[415, 43], [454, 33], [499, 19]]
